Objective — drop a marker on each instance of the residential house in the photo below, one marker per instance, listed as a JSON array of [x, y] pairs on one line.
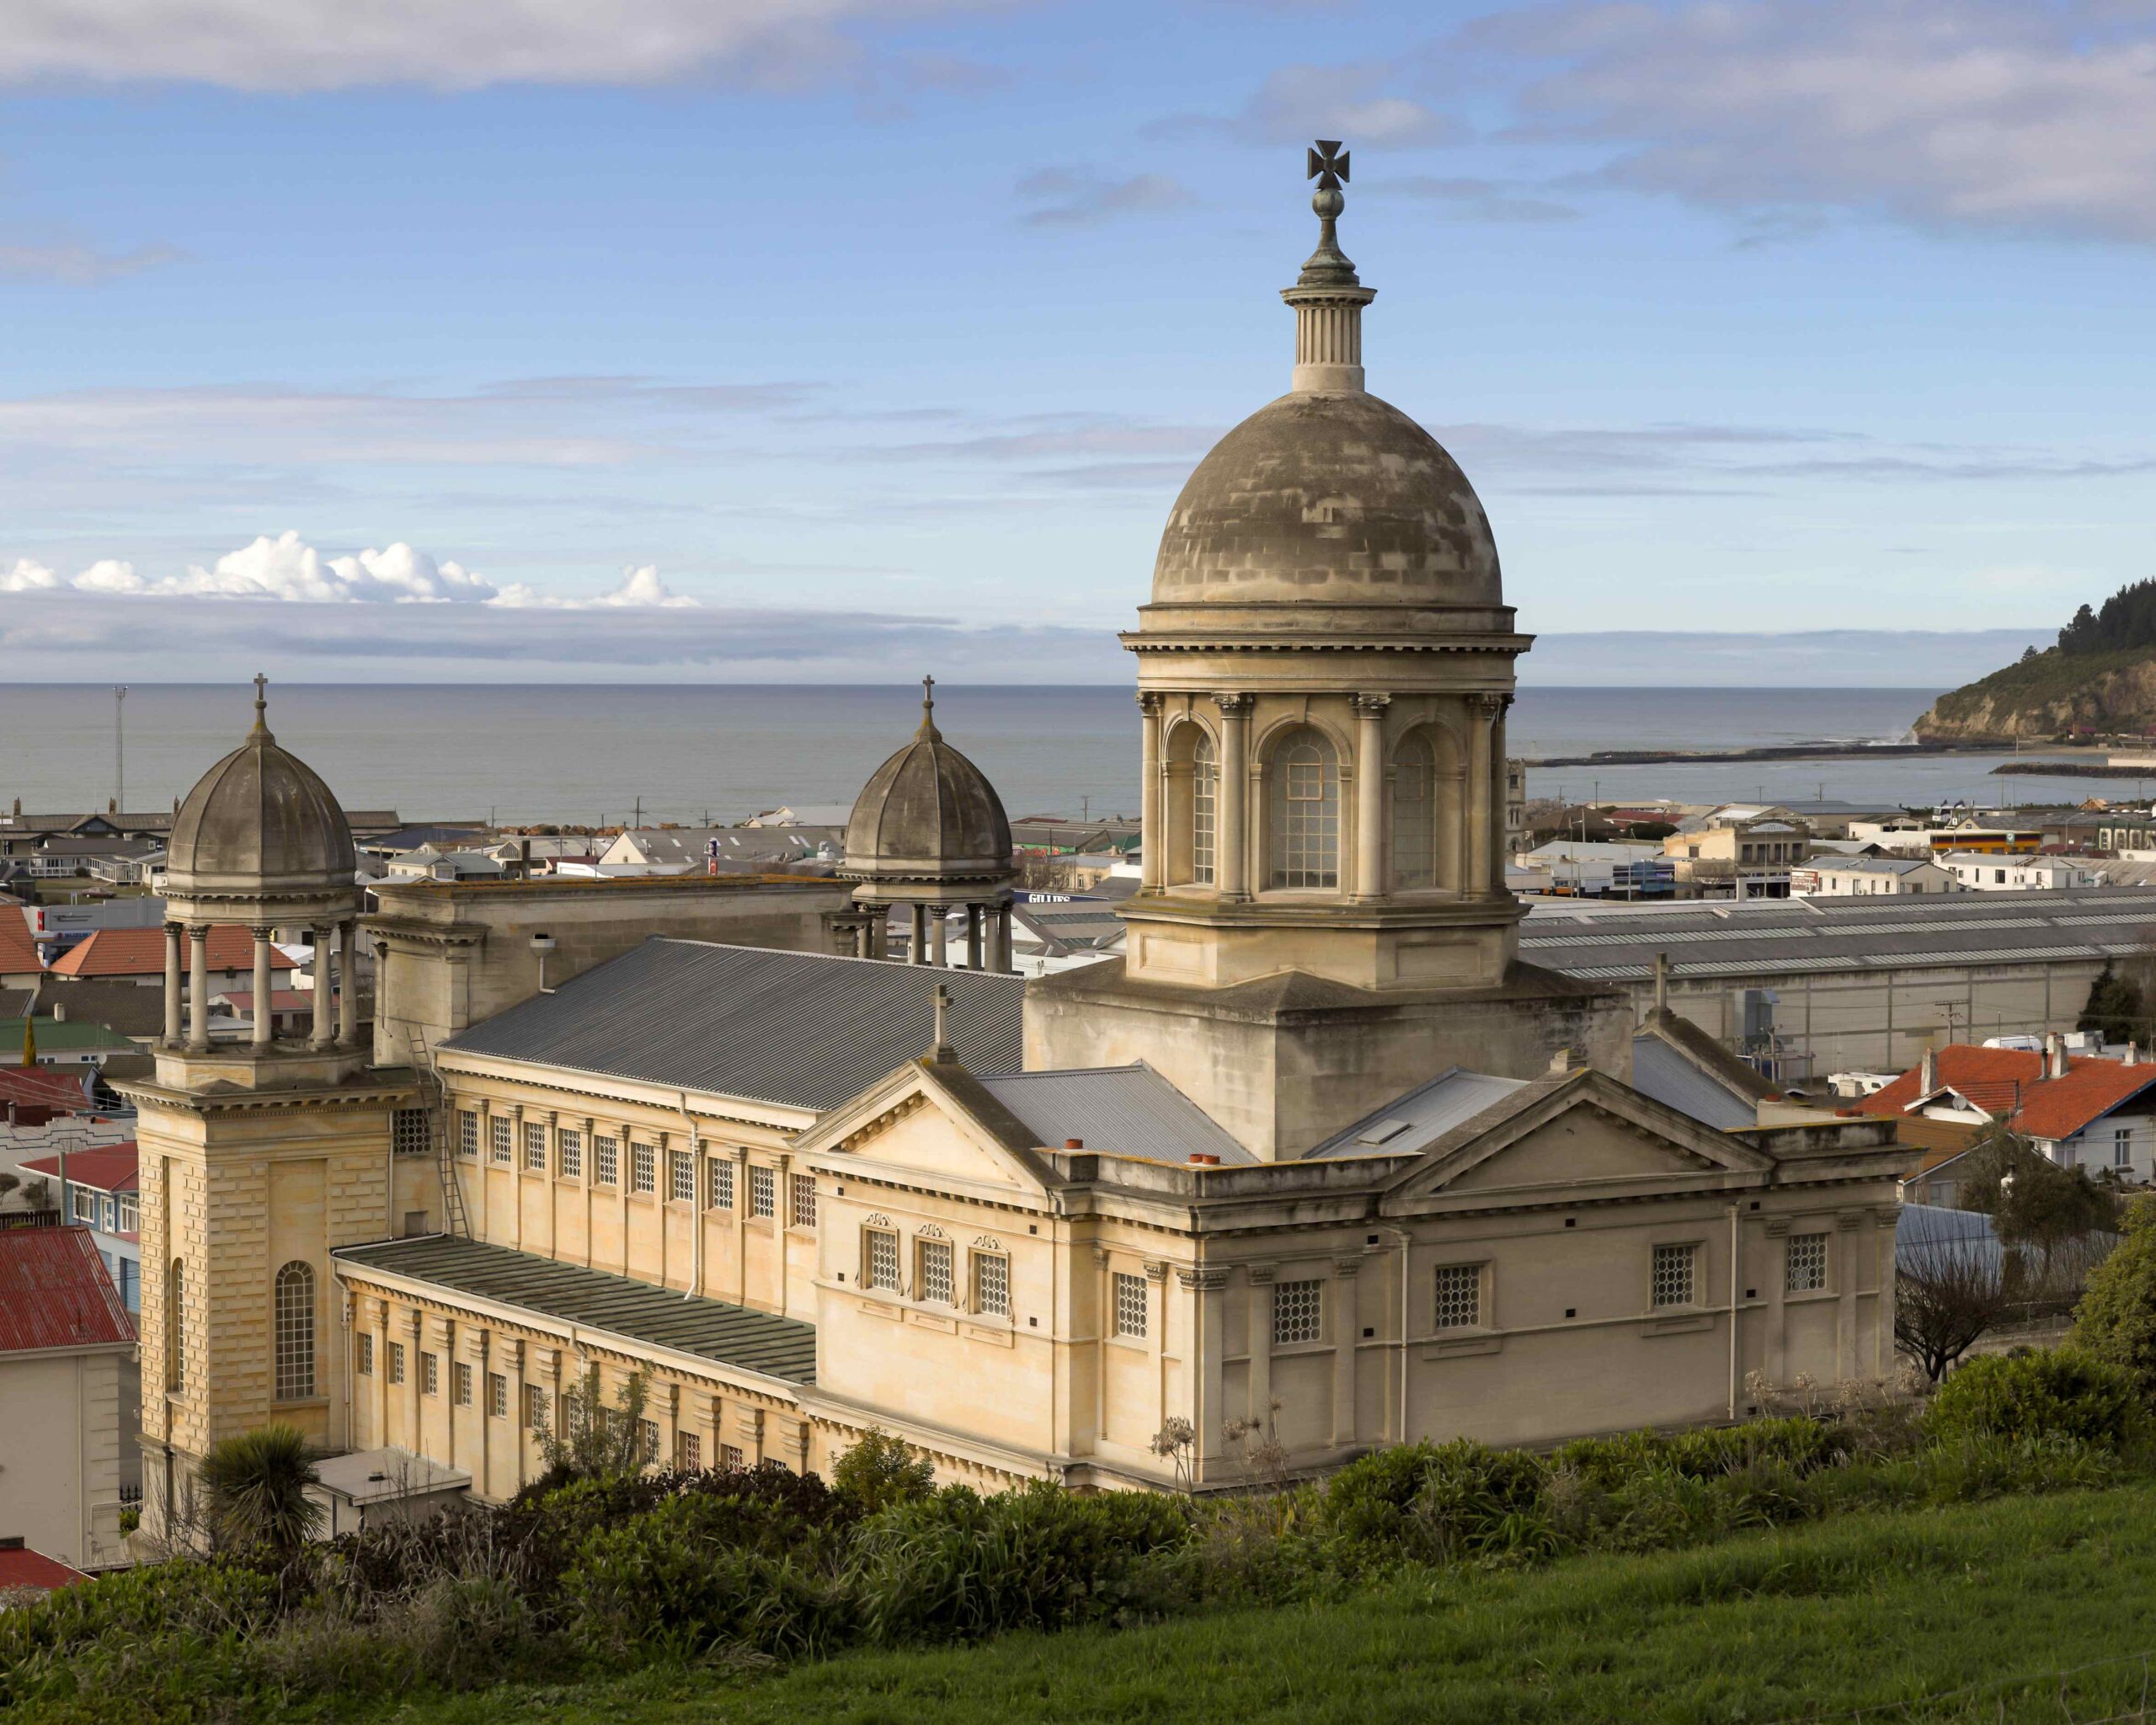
[[60, 1042], [431, 861], [97, 1191], [1975, 873], [55, 927], [684, 850], [20, 966], [1866, 877], [138, 955], [1599, 868]]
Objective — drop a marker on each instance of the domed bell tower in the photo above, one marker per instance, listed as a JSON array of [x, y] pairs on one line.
[[260, 1153], [1323, 675]]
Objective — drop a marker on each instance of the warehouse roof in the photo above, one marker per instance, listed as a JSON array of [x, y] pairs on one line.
[[760, 1341], [1791, 937], [800, 1029]]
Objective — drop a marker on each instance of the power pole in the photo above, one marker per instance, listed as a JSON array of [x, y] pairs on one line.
[[639, 819], [119, 750]]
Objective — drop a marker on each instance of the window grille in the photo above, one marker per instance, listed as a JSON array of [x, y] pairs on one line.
[[1459, 1296], [720, 1181], [571, 1147], [1205, 805], [1130, 1303], [396, 1362], [1305, 813], [176, 1325], [936, 1283], [430, 1373], [882, 1266], [804, 1200], [682, 1177], [365, 1363], [1298, 1312], [688, 1452], [648, 1430], [535, 1406], [763, 1192], [607, 1156], [467, 1134], [498, 1395], [535, 1147], [497, 1133], [461, 1381], [1672, 1283], [643, 1167], [1807, 1264], [410, 1133], [992, 1284], [295, 1332], [730, 1457], [1414, 816]]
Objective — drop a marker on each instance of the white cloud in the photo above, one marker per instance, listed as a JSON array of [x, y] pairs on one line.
[[1990, 113], [1356, 101], [287, 569], [80, 266], [1082, 197]]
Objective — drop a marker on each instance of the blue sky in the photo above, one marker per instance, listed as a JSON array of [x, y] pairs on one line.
[[850, 328]]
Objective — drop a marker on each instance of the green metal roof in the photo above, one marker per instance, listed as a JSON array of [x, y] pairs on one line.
[[56, 1034], [597, 1300]]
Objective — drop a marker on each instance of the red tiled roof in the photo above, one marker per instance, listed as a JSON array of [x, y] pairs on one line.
[[2009, 1085], [110, 1167], [17, 951], [20, 1566], [141, 951], [41, 1088], [55, 1293]]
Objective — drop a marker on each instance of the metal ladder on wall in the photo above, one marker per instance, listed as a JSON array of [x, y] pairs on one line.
[[454, 1219]]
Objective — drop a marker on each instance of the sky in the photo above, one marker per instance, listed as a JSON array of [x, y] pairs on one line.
[[800, 340]]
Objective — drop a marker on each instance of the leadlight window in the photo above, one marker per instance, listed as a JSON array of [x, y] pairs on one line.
[[731, 1458], [467, 1134], [881, 1249], [648, 1429], [643, 1167], [294, 1303], [1807, 1264], [682, 1177], [804, 1200], [408, 1132], [1204, 808], [176, 1325], [1414, 816], [763, 1192], [1672, 1276], [720, 1182], [535, 1147], [396, 1362], [498, 1395], [461, 1381], [688, 1452], [535, 1406], [1459, 1296], [430, 1373], [499, 1144], [1298, 1312], [607, 1156], [936, 1278], [992, 1284], [1130, 1303], [570, 1144], [1305, 812], [364, 1364]]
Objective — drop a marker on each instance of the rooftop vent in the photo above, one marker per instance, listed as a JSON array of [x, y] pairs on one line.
[[1383, 1132], [1074, 1144], [1204, 1159]]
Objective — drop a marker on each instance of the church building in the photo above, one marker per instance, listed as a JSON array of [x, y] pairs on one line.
[[1321, 1160]]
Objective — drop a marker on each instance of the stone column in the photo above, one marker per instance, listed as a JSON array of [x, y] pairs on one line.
[[940, 916], [1482, 714], [348, 1001], [1498, 789], [1345, 1335], [1153, 827], [1260, 1343], [379, 1310], [172, 984], [198, 988], [1841, 1267], [1001, 961], [976, 917], [1882, 1316], [917, 949], [1369, 796], [264, 1013], [1203, 1283], [322, 951], [1775, 1353], [1231, 842]]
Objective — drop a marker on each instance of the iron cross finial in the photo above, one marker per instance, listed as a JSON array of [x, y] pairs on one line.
[[1328, 165], [261, 704], [928, 708]]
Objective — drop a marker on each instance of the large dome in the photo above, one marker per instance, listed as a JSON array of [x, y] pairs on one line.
[[928, 814], [1331, 498], [261, 820]]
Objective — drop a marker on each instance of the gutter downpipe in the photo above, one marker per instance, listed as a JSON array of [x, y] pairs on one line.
[[696, 1202], [1735, 1242]]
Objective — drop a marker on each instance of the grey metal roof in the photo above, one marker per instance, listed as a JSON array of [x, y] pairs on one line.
[[1790, 937], [1661, 1072], [803, 1030], [1409, 1124], [1870, 865], [1120, 1110], [596, 1300]]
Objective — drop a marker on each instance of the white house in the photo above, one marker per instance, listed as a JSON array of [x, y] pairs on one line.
[[1976, 872], [1863, 877]]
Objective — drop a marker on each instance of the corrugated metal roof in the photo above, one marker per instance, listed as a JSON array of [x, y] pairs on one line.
[[1662, 1072], [596, 1300], [1121, 1110], [800, 1029], [1410, 1124], [55, 1293]]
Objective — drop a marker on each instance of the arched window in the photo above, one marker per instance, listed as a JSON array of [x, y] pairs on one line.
[[1303, 787], [295, 1332], [176, 1325], [1204, 806], [1414, 816]]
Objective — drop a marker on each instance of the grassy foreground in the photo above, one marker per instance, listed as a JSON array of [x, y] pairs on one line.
[[1809, 1624]]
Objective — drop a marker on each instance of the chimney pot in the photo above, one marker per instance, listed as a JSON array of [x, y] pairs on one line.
[[1205, 1159], [1074, 1144]]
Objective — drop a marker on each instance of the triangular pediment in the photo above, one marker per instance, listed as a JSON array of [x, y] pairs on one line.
[[1584, 1134], [933, 1120]]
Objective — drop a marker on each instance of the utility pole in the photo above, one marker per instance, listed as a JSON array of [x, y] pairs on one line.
[[119, 748], [639, 819]]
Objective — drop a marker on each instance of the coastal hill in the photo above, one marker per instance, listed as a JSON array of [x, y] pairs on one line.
[[2100, 679]]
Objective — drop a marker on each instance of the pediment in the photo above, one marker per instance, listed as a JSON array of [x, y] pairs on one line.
[[933, 1120]]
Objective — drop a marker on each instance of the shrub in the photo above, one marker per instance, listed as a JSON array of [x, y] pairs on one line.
[[2115, 1321], [258, 1483], [2042, 1394], [882, 1469], [1433, 1501]]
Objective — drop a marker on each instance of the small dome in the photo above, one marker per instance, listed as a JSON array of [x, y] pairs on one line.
[[928, 814], [1334, 499], [260, 821]]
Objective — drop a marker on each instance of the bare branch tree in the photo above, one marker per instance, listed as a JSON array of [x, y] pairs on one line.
[[1947, 1293]]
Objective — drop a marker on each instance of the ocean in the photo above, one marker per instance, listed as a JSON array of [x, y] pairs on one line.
[[590, 753]]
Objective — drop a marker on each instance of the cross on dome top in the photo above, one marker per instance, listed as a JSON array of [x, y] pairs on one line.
[[928, 710], [1328, 266], [262, 708]]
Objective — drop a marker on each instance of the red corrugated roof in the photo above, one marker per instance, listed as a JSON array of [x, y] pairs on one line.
[[54, 1292], [2009, 1085], [110, 1167], [41, 1088], [141, 951], [20, 1566], [17, 951]]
